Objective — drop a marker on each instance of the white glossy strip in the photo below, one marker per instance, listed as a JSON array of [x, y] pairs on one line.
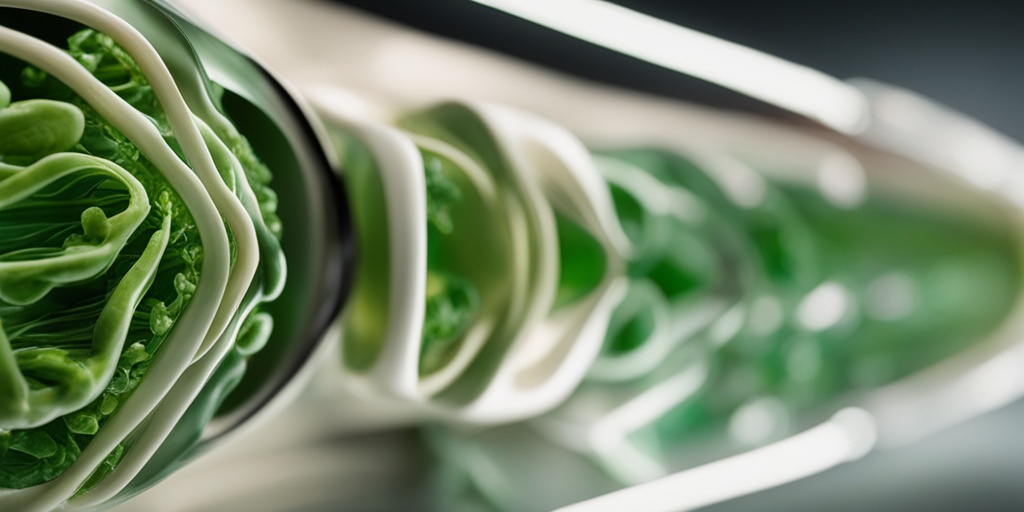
[[759, 75], [476, 337], [565, 169], [400, 169], [498, 402], [646, 407], [659, 198], [549, 360], [847, 436]]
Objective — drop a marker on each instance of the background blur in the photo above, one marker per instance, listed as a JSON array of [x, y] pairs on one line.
[[966, 55]]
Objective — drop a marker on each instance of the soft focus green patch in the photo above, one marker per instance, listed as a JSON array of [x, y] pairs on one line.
[[452, 302]]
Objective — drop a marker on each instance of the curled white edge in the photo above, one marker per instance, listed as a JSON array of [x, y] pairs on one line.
[[531, 219], [151, 433], [180, 353], [238, 277], [476, 338], [399, 165], [502, 398], [243, 269], [534, 378]]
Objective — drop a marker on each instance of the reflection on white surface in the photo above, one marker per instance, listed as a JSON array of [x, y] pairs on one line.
[[647, 407], [890, 297], [744, 186], [658, 198], [842, 180], [848, 435], [756, 74], [824, 306], [758, 420], [911, 124], [937, 400]]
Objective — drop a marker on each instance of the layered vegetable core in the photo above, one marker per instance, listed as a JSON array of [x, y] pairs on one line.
[[101, 258]]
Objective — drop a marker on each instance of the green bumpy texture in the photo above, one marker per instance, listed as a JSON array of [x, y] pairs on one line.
[[107, 258], [452, 302], [100, 258]]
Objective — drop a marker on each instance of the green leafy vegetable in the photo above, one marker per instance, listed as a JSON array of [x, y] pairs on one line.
[[99, 258], [127, 267], [452, 302], [452, 305], [442, 195]]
